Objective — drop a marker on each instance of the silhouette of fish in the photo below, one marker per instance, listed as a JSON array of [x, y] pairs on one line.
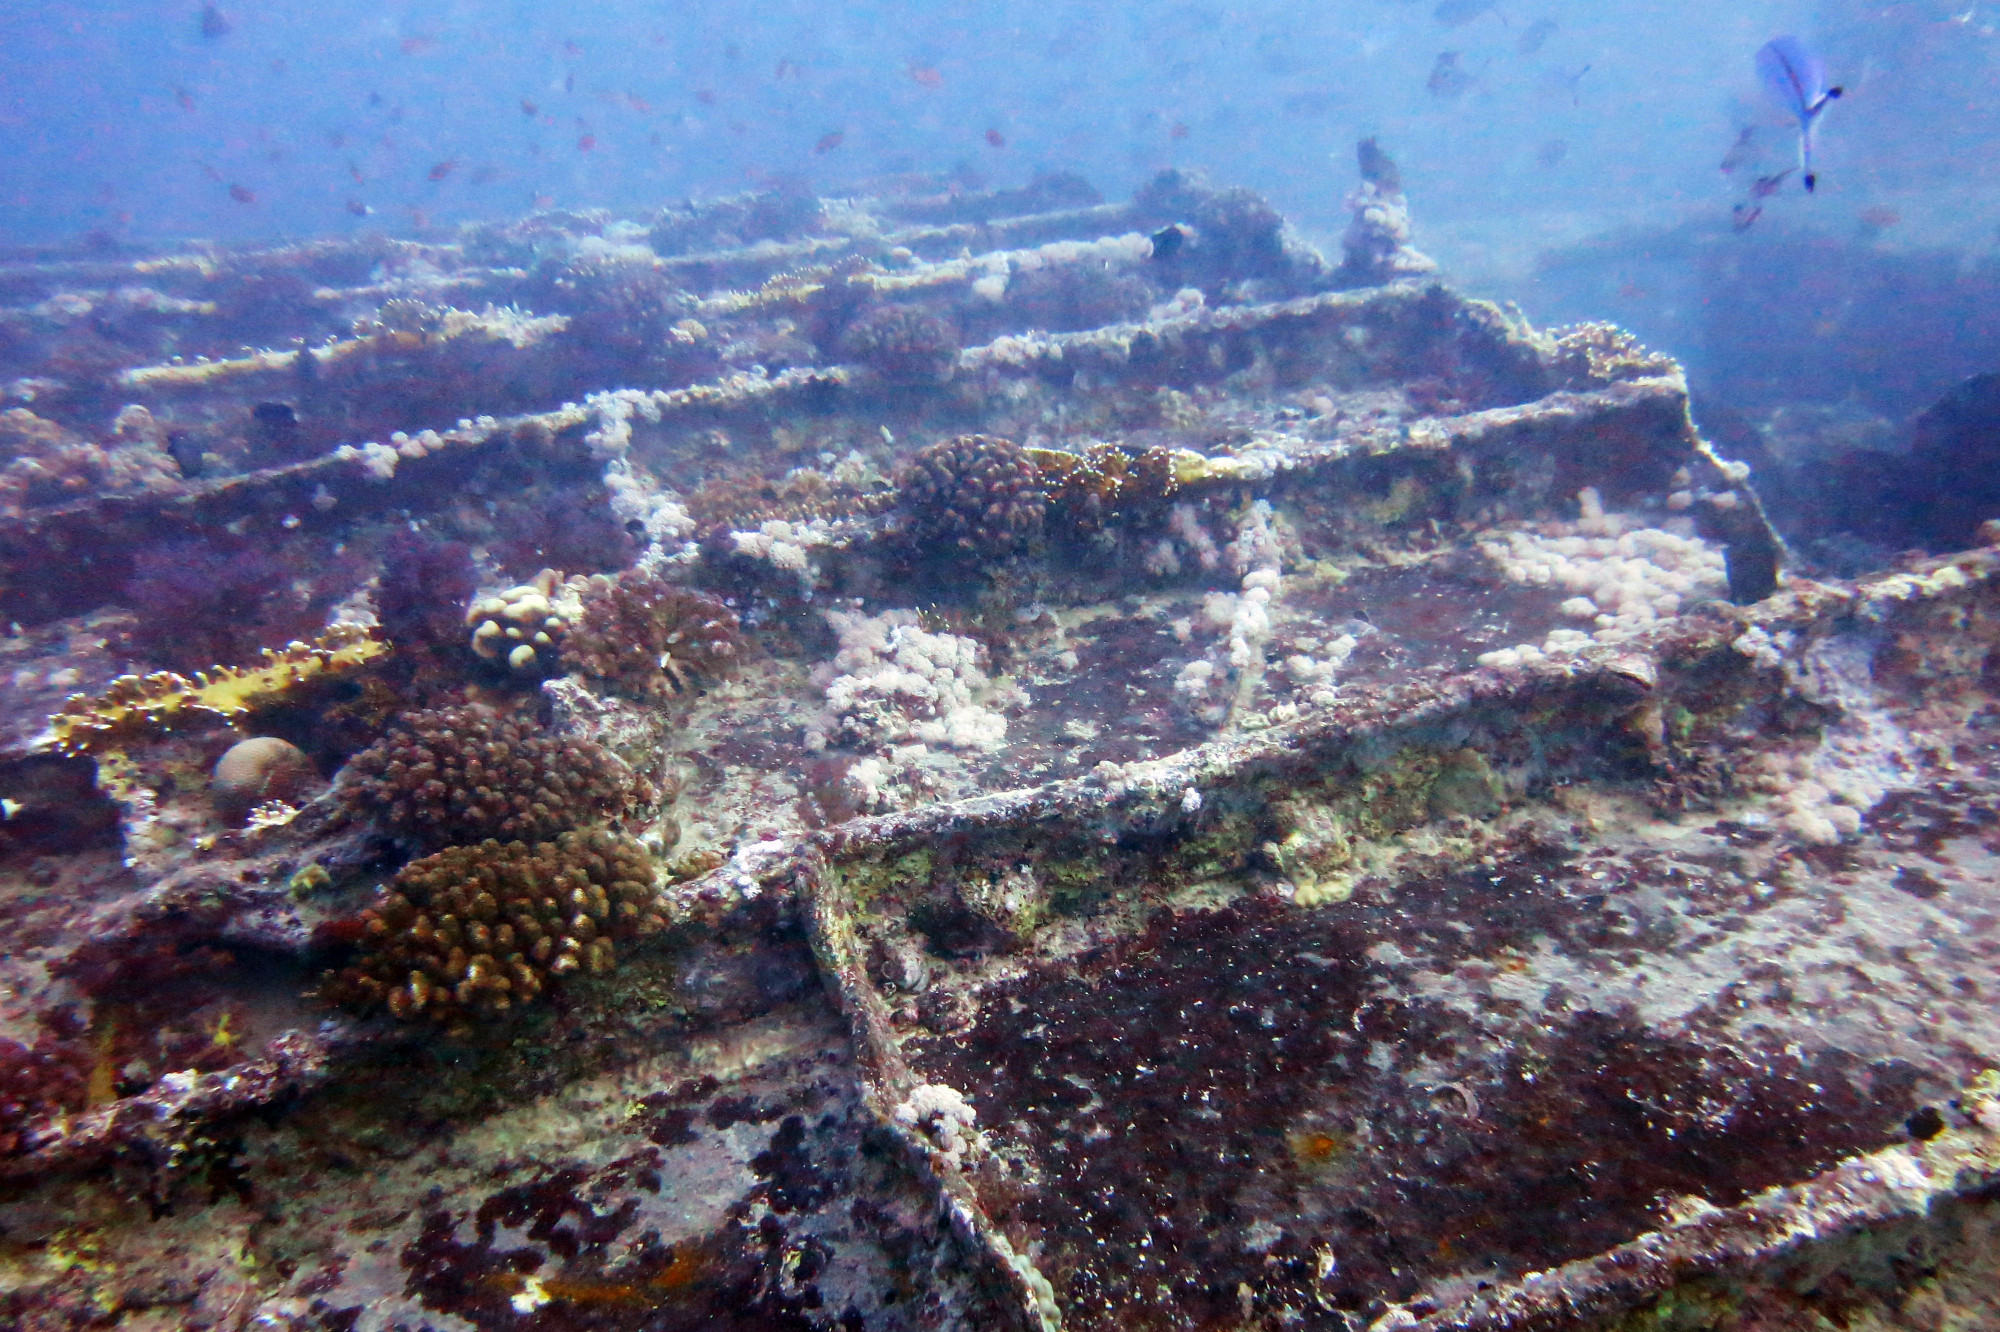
[[1378, 168], [214, 23], [1741, 151], [1762, 188], [1796, 80], [1449, 79], [1534, 35]]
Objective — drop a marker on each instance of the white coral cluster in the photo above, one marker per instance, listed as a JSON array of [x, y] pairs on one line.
[[621, 243], [502, 323], [1254, 555], [1623, 576], [1186, 537], [786, 545], [636, 497], [379, 460], [1242, 618], [894, 684], [941, 1115], [1313, 669], [1822, 793], [614, 410]]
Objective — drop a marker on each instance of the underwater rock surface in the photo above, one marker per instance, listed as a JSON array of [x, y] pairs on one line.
[[1185, 784]]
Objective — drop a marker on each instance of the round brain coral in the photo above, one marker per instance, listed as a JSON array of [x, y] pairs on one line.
[[648, 637], [463, 774], [978, 493], [474, 930]]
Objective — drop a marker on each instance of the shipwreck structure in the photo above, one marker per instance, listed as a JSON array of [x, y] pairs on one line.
[[955, 762]]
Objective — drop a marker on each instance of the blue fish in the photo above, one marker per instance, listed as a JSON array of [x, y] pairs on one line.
[[1794, 76]]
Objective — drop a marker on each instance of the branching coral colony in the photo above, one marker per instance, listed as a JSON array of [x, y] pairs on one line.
[[646, 637], [1040, 614], [472, 931], [464, 774]]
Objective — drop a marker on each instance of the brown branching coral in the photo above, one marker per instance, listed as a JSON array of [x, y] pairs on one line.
[[976, 493], [458, 775], [903, 344], [1089, 489], [647, 637], [1598, 353], [474, 930]]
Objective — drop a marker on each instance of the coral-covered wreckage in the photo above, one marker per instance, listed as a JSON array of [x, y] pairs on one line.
[[957, 761]]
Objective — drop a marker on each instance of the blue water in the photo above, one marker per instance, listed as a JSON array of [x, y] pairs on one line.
[[124, 120]]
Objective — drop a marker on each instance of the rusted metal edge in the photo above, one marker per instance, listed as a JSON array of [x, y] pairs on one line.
[[162, 1121], [1905, 1182], [887, 1082]]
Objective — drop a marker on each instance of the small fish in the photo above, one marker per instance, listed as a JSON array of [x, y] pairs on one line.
[[1448, 79], [185, 98], [784, 67], [1765, 186], [528, 108], [1879, 216], [926, 77], [1747, 212], [359, 209], [1179, 130], [706, 96], [443, 169], [1458, 13], [1796, 80], [829, 141], [354, 170], [995, 139], [1535, 35], [1552, 152], [1741, 151], [1378, 168], [571, 48], [418, 44], [243, 194], [639, 104], [214, 23], [586, 143]]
